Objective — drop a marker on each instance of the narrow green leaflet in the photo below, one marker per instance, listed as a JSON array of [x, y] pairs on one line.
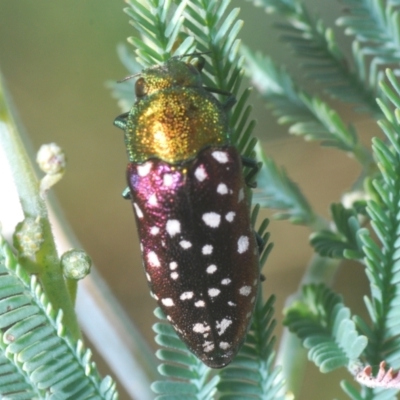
[[326, 63], [307, 115], [276, 190], [13, 382], [252, 374], [375, 24], [344, 242], [368, 394], [187, 377], [382, 259], [159, 23], [324, 325], [34, 342]]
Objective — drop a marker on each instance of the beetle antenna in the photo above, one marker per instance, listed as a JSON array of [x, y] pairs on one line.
[[194, 54], [128, 77]]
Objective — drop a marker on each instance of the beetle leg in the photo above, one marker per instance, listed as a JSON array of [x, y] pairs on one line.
[[120, 121], [126, 194], [229, 102], [255, 167], [260, 242], [261, 245]]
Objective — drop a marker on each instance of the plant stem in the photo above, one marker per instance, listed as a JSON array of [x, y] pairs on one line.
[[49, 270], [363, 156], [72, 286], [291, 354]]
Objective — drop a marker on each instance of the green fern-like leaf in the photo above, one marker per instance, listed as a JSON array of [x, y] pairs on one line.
[[326, 62], [35, 343], [187, 377], [13, 384], [375, 24], [382, 261], [323, 324], [308, 115], [368, 394], [277, 191], [252, 375], [345, 241], [124, 91], [159, 25]]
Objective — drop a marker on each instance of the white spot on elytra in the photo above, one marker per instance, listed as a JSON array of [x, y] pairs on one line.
[[207, 249], [200, 303], [231, 303], [208, 346], [213, 292], [173, 227], [245, 290], [241, 195], [168, 179], [138, 211], [153, 260], [148, 277], [230, 216], [144, 169], [153, 200], [211, 269], [200, 173], [226, 281], [186, 295], [243, 244], [168, 302], [212, 219], [174, 275], [248, 315], [154, 230], [255, 282], [200, 328], [169, 318], [253, 299], [223, 325], [222, 188], [185, 244], [173, 265], [224, 345], [220, 156]]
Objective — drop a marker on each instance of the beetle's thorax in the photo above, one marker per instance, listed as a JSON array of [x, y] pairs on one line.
[[174, 118]]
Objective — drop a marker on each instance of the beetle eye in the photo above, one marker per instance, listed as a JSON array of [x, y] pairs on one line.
[[200, 63], [141, 88]]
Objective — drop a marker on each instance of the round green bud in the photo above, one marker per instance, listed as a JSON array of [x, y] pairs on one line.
[[51, 159], [76, 264], [28, 237]]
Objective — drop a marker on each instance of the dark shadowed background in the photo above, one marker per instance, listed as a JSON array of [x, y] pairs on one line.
[[56, 57]]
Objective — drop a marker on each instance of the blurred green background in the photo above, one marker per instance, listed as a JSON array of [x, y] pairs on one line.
[[56, 57]]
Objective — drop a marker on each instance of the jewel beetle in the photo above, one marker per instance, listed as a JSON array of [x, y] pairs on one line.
[[188, 193]]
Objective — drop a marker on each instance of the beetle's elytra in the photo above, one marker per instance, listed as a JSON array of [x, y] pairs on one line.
[[193, 217]]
